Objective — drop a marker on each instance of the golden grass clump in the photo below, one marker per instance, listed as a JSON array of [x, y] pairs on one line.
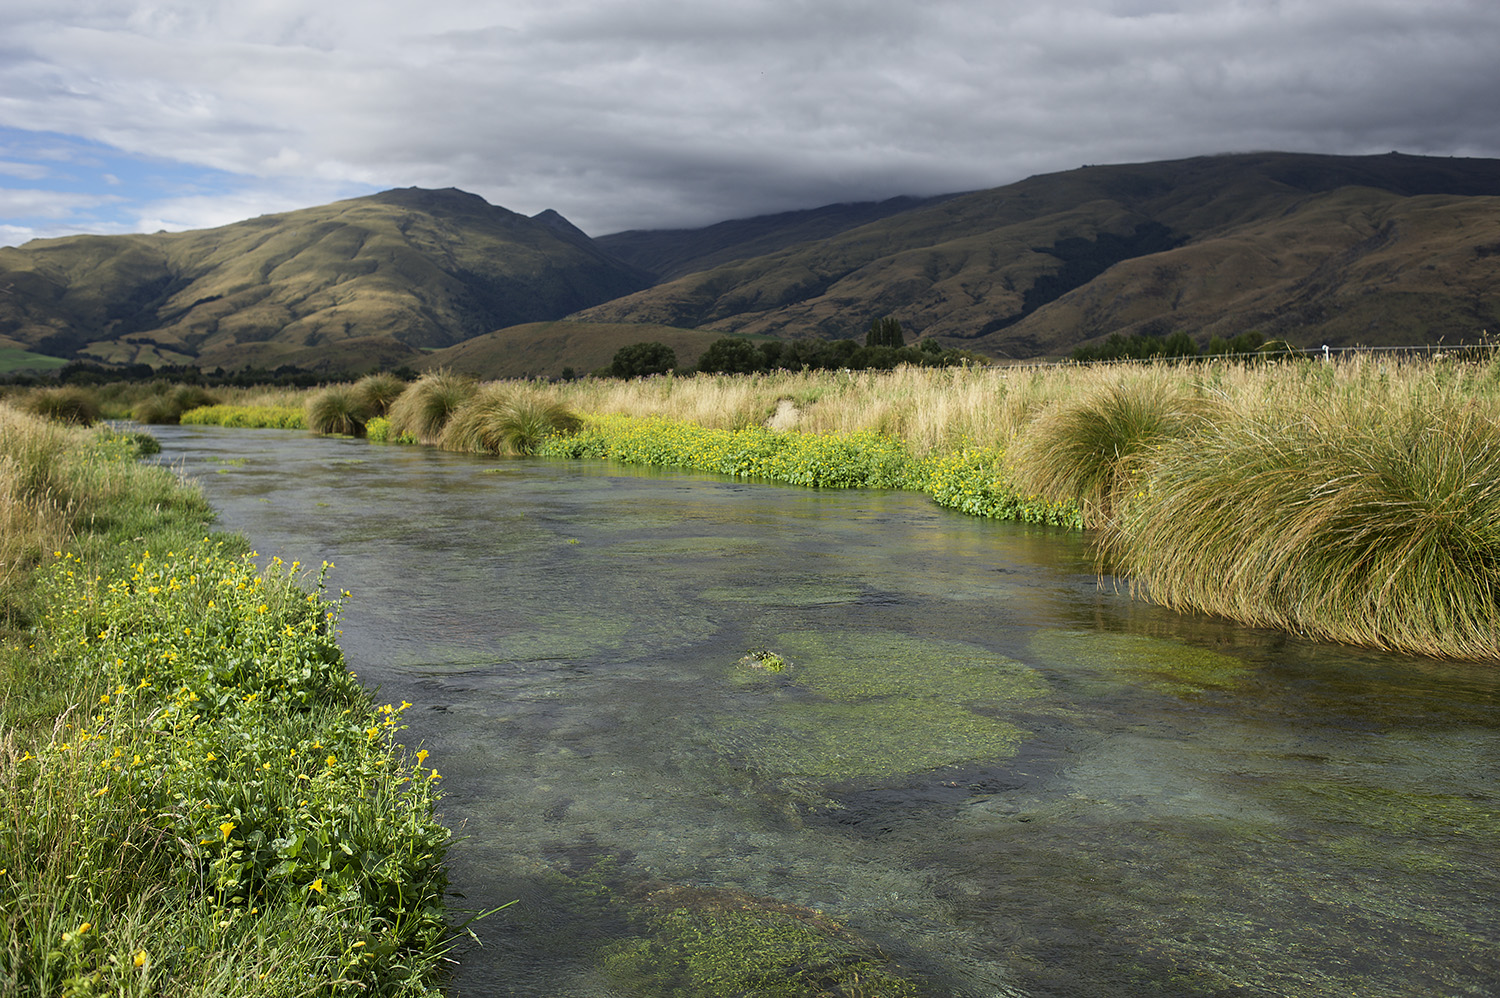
[[425, 408], [1362, 521], [66, 404], [337, 409], [378, 392], [504, 420], [1092, 447]]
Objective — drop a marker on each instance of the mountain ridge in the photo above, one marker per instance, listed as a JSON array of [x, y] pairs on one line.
[[1304, 247]]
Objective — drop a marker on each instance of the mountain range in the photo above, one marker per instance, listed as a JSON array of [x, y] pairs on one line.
[[1311, 249]]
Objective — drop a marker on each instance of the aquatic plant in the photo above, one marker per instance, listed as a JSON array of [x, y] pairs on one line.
[[501, 420], [697, 943], [337, 409], [67, 404], [425, 408], [270, 417]]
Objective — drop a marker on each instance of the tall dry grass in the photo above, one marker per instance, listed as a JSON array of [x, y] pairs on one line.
[[424, 409], [34, 511]]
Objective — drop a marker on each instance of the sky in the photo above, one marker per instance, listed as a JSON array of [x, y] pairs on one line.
[[122, 116]]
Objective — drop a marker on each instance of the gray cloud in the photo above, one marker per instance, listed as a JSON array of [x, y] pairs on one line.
[[666, 112]]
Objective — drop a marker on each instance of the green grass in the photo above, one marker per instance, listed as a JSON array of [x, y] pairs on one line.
[[198, 798], [13, 359], [263, 417]]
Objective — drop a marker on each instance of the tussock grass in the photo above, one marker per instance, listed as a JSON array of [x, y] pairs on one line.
[[1372, 521], [425, 408], [1091, 447], [67, 404], [168, 405], [378, 392], [338, 409], [502, 420]]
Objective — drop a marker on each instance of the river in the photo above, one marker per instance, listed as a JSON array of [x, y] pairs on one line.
[[934, 738]]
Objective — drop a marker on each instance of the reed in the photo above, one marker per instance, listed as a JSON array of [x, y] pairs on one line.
[[425, 408]]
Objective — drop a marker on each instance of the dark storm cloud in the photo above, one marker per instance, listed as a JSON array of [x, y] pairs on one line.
[[672, 113]]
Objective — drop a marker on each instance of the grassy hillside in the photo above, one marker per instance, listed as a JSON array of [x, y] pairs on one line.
[[1311, 248], [404, 269], [544, 349]]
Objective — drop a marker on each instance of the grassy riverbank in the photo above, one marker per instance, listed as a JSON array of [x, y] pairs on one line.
[[1353, 500], [199, 798]]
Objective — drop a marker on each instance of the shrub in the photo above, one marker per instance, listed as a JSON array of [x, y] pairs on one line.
[[425, 408], [639, 360], [1089, 448], [501, 421], [378, 392], [337, 409], [68, 404]]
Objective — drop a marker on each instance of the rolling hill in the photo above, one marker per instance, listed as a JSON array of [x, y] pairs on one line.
[[1313, 249], [377, 279], [1371, 250]]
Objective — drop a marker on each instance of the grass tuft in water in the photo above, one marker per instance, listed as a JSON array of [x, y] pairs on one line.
[[499, 420], [339, 410], [1371, 521], [425, 408]]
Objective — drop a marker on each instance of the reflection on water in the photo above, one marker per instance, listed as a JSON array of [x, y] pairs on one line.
[[975, 760]]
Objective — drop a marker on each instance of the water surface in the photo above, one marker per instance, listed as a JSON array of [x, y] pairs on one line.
[[1007, 778]]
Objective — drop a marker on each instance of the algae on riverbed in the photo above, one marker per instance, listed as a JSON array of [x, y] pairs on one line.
[[873, 706]]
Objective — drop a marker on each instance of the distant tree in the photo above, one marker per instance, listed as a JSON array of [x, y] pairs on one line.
[[568, 374], [638, 360], [731, 355], [930, 345], [885, 332]]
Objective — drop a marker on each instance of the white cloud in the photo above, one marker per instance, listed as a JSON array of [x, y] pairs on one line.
[[673, 112]]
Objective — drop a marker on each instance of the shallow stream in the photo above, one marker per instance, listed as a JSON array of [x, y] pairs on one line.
[[977, 762]]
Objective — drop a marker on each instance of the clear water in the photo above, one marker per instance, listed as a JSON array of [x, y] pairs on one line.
[[1010, 779]]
